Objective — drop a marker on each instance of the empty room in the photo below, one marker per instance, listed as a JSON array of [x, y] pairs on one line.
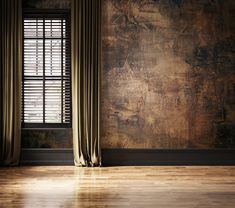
[[117, 103]]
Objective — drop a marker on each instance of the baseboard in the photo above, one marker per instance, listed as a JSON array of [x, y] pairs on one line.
[[118, 157], [168, 157], [41, 156]]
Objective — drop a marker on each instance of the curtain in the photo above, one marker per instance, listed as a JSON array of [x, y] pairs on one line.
[[86, 64], [10, 81]]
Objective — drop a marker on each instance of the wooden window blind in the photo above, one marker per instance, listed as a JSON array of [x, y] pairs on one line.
[[46, 71]]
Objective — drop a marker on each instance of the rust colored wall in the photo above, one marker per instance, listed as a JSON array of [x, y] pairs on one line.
[[168, 74]]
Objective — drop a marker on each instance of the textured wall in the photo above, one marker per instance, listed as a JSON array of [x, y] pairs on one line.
[[46, 138], [47, 4], [168, 74]]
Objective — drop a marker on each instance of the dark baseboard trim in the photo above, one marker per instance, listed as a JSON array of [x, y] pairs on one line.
[[168, 157], [41, 156], [119, 157]]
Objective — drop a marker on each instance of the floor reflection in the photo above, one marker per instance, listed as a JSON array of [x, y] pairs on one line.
[[70, 186]]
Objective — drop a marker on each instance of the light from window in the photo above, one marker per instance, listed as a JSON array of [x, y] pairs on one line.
[[46, 74]]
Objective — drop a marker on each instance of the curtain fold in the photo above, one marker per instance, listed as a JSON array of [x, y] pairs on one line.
[[86, 64], [10, 81]]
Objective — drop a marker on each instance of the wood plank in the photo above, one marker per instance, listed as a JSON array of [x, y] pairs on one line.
[[149, 186]]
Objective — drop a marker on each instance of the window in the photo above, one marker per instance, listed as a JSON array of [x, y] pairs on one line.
[[46, 97]]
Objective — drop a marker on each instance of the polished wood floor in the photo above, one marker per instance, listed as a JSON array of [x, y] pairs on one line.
[[163, 187]]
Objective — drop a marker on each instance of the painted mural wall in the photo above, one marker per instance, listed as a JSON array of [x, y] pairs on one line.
[[168, 78], [168, 74]]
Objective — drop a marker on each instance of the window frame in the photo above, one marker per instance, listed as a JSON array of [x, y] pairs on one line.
[[48, 13]]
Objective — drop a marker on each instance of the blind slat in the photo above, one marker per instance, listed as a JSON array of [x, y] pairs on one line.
[[46, 77]]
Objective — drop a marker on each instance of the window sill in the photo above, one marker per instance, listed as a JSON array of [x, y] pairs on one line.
[[49, 129]]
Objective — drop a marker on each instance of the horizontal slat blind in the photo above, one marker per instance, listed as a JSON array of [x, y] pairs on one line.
[[47, 74]]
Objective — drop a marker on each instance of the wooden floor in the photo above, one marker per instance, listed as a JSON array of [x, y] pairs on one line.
[[68, 186]]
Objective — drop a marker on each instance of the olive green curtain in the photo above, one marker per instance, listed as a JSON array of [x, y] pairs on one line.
[[10, 81], [86, 64]]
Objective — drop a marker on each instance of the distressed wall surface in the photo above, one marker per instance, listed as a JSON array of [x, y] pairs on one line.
[[46, 4], [46, 138], [168, 74]]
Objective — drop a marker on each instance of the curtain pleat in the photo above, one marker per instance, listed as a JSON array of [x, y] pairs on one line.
[[10, 78], [86, 65]]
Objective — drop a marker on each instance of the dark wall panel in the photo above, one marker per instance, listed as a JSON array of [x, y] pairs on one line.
[[46, 138], [47, 4]]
